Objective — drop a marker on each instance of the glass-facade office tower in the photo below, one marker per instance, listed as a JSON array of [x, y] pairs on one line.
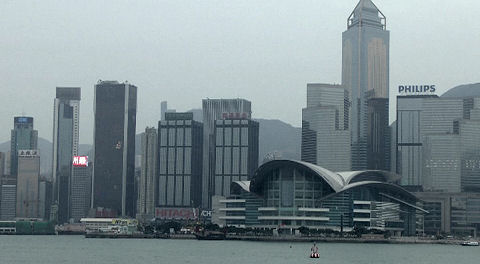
[[148, 183], [65, 145], [409, 142], [81, 191], [23, 137], [28, 175], [115, 110], [378, 141], [423, 119], [325, 134], [180, 142], [236, 152], [470, 135], [215, 109], [365, 73]]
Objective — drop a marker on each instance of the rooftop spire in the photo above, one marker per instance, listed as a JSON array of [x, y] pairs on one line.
[[366, 13]]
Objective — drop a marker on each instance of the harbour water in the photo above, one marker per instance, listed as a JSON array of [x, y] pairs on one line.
[[77, 249]]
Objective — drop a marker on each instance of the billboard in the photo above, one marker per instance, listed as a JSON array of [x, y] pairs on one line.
[[416, 89], [80, 161], [177, 213]]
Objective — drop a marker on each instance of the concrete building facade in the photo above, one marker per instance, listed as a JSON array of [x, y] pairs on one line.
[[28, 174], [148, 182]]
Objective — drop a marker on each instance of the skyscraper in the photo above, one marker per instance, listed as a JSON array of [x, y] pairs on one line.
[[365, 73], [214, 109], [180, 161], [23, 137], [81, 189], [147, 187], [115, 110], [28, 174], [8, 197], [65, 146], [325, 133], [2, 164], [236, 152]]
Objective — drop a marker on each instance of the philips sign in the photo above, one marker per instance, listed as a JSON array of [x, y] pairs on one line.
[[416, 89]]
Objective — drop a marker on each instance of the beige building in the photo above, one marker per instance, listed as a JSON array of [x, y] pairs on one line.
[[27, 184]]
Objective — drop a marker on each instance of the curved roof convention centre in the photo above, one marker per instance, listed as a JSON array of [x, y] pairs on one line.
[[338, 181]]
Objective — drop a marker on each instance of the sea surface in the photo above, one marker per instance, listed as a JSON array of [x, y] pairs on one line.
[[77, 249]]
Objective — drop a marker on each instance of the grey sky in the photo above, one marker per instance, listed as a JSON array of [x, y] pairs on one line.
[[183, 51]]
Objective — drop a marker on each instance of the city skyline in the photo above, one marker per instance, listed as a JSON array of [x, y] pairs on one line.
[[300, 40]]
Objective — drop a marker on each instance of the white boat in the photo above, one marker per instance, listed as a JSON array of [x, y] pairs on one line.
[[470, 243]]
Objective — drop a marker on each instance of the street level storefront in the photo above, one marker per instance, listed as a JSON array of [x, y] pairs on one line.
[[293, 194]]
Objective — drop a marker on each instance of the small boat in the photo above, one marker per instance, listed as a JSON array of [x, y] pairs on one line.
[[470, 243], [314, 255]]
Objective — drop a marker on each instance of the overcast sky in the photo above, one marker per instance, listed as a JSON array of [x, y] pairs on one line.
[[182, 51]]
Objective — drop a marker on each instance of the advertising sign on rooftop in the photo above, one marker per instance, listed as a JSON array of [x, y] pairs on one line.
[[80, 161], [417, 89]]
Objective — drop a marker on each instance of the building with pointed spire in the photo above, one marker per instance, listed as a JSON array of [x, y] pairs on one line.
[[365, 74]]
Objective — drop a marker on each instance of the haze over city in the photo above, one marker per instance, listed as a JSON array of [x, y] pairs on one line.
[[185, 51]]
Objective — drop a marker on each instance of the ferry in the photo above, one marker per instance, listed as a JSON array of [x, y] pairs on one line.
[[470, 243]]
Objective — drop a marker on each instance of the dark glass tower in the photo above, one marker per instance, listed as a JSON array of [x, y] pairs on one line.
[[65, 146], [115, 110]]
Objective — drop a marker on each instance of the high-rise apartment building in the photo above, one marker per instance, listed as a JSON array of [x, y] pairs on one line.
[[236, 152], [8, 197], [180, 140], [45, 195], [148, 182], [65, 146], [28, 175], [115, 110], [365, 73], [216, 109], [23, 137], [325, 133]]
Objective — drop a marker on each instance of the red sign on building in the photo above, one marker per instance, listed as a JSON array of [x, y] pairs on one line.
[[178, 213], [80, 161]]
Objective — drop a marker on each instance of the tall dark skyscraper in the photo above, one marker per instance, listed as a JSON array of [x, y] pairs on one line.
[[365, 73], [115, 110], [65, 146], [215, 109], [23, 137]]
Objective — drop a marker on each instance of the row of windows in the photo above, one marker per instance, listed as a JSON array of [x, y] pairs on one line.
[[174, 190], [231, 160], [229, 136], [175, 160], [176, 136]]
